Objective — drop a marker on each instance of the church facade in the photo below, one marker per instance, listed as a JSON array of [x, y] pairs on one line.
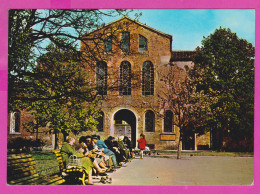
[[127, 76], [125, 61]]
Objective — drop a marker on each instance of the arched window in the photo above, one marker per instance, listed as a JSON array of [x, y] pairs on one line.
[[101, 78], [100, 125], [125, 78], [108, 44], [142, 43], [149, 121], [125, 41], [168, 121], [147, 78], [15, 120]]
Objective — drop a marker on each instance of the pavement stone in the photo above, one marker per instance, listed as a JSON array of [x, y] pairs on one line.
[[190, 170]]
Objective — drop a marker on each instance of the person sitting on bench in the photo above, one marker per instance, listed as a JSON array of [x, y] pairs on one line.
[[67, 150]]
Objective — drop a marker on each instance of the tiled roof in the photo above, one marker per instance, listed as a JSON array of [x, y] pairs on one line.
[[182, 55], [139, 23]]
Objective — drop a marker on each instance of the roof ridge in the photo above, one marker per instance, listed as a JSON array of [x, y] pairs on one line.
[[127, 17]]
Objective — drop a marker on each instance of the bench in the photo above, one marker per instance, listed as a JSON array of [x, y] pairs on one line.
[[21, 170], [138, 152], [74, 175]]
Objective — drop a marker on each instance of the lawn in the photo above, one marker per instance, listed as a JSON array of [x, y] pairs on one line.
[[46, 162]]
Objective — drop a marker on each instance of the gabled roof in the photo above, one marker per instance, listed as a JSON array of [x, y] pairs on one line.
[[135, 21]]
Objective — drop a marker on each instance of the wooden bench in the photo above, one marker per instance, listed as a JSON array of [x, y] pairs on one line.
[[21, 170], [73, 175]]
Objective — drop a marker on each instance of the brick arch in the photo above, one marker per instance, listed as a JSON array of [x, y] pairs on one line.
[[130, 119]]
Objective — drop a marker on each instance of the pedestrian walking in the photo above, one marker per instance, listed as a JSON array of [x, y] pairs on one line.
[[141, 144]]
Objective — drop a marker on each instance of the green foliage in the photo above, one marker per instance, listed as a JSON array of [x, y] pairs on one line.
[[19, 144], [31, 30], [64, 98], [224, 68], [49, 81]]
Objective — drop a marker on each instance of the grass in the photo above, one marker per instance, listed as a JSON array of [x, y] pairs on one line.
[[46, 162]]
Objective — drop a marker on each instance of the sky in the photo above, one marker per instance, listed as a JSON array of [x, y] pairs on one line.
[[189, 26]]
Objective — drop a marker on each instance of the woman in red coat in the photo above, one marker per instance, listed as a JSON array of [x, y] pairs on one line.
[[141, 144]]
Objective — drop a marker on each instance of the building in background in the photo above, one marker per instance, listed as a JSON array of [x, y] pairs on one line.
[[126, 60]]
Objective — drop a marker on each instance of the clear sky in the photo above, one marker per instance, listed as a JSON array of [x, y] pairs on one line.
[[188, 26]]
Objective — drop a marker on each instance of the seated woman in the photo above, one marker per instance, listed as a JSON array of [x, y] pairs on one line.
[[103, 147], [97, 161], [67, 150], [128, 144], [123, 148], [119, 154]]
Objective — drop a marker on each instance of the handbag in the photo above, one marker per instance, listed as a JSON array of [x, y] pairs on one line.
[[74, 162]]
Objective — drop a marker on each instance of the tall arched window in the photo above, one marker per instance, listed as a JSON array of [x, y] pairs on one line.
[[100, 125], [125, 78], [149, 121], [101, 78], [142, 43], [147, 78], [15, 120], [168, 121]]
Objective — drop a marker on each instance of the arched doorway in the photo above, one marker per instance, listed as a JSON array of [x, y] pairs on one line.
[[125, 124]]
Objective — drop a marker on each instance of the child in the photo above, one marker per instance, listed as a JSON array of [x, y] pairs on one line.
[[141, 144]]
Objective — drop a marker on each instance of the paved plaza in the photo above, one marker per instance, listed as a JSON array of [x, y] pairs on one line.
[[190, 170]]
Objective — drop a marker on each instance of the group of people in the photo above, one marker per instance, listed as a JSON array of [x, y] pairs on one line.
[[100, 157]]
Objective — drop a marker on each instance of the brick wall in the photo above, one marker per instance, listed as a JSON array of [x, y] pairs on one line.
[[158, 52]]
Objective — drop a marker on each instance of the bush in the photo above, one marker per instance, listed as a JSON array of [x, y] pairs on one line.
[[24, 145]]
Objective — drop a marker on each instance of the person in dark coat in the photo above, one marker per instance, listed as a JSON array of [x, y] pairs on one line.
[[103, 147], [123, 148], [128, 144]]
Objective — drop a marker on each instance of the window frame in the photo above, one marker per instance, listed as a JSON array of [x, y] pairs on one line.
[[146, 123], [102, 89], [145, 48], [108, 44], [150, 83], [170, 130], [125, 41], [127, 89], [13, 122]]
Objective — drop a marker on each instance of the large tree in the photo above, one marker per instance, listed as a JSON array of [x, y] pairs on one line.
[[60, 96], [225, 65], [51, 81], [31, 30], [177, 93]]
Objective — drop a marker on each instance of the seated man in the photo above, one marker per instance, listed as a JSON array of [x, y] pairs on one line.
[[67, 150], [102, 146]]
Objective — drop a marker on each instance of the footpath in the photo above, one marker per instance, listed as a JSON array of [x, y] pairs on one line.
[[190, 170]]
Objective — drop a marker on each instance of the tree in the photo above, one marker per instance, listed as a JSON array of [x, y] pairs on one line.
[[65, 102], [29, 32], [225, 65], [178, 93], [51, 81]]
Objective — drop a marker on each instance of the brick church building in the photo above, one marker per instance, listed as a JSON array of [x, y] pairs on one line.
[[126, 74]]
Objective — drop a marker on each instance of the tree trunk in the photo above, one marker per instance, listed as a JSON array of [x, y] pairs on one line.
[[180, 144], [56, 140], [179, 149]]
